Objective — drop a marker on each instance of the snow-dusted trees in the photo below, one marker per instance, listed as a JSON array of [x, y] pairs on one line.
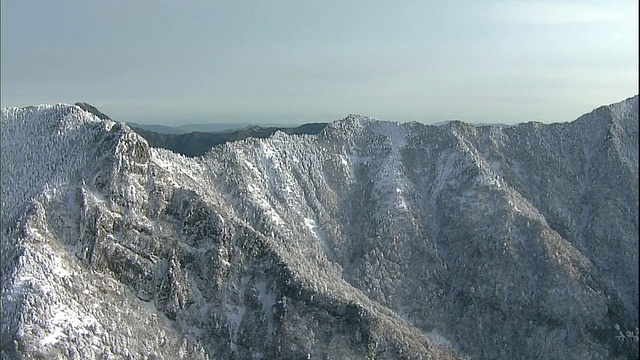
[[41, 145]]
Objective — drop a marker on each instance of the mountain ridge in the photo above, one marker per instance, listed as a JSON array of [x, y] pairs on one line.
[[370, 239], [198, 143]]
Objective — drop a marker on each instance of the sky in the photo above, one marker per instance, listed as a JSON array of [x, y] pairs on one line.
[[174, 62]]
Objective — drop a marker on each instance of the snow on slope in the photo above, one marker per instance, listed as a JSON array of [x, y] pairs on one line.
[[53, 304], [116, 231], [42, 145], [371, 239]]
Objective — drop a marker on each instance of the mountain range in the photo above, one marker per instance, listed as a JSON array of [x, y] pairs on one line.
[[368, 239], [197, 143]]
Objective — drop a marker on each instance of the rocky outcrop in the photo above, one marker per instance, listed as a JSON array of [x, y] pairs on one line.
[[368, 240]]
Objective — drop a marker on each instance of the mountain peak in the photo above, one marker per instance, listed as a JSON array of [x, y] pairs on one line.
[[372, 240], [92, 109]]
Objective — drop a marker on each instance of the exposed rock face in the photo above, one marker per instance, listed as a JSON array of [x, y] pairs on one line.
[[369, 240]]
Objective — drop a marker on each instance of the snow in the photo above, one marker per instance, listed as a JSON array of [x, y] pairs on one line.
[[60, 271], [343, 160], [437, 338], [21, 283], [235, 314], [182, 168], [268, 301], [42, 146], [152, 309], [258, 195], [311, 225], [496, 167], [390, 182], [296, 186], [251, 167], [64, 321], [394, 131], [268, 151], [53, 337], [446, 168], [313, 228]]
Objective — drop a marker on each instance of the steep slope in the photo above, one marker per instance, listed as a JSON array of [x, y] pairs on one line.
[[371, 239], [104, 237]]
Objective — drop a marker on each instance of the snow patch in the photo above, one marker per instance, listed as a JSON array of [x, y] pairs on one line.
[[60, 271], [251, 167], [268, 302], [168, 323], [439, 339], [234, 314], [63, 320], [394, 131], [313, 228], [264, 204]]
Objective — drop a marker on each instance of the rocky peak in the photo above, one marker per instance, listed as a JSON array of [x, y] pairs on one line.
[[372, 239]]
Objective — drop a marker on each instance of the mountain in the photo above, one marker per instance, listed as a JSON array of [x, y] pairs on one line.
[[371, 239], [198, 143], [93, 110], [201, 128], [189, 128], [161, 129]]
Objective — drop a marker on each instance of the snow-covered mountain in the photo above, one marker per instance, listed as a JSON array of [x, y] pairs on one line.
[[371, 239]]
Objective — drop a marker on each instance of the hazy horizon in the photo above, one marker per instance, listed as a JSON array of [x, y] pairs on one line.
[[288, 62]]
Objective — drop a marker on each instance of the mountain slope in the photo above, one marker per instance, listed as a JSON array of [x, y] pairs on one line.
[[198, 143], [371, 239]]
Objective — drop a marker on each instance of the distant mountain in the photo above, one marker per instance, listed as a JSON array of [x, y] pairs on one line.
[[441, 123], [162, 129], [211, 127], [189, 128], [198, 143], [370, 239], [202, 128]]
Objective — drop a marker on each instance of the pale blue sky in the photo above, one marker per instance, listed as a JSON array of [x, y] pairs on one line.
[[189, 61]]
